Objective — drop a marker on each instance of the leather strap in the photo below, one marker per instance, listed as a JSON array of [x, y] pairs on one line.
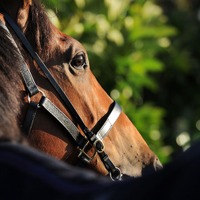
[[46, 104], [113, 116], [30, 84], [25, 72], [29, 118]]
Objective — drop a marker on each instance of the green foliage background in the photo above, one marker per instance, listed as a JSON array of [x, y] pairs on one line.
[[145, 54]]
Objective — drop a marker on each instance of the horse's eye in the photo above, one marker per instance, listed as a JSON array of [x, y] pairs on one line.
[[78, 61]]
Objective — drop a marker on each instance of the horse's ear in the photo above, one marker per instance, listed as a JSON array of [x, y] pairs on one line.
[[26, 3], [2, 18], [23, 13]]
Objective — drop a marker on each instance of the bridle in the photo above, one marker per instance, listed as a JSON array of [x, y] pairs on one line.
[[82, 142]]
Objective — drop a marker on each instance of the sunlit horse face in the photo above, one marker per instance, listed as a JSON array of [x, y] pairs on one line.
[[67, 60]]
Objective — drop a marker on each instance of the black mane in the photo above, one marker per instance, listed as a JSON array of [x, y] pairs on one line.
[[9, 88]]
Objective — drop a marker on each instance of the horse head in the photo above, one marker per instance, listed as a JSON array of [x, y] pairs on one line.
[[68, 63]]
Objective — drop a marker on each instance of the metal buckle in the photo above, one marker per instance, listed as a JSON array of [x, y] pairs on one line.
[[99, 146], [117, 177], [84, 156], [41, 92]]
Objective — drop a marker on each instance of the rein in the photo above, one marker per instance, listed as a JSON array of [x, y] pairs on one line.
[[95, 139]]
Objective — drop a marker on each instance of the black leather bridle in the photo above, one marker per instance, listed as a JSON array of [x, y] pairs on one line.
[[94, 139]]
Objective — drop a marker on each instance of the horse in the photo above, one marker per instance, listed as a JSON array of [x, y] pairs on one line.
[[65, 112]]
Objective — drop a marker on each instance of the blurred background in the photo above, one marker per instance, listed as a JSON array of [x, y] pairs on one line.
[[146, 55]]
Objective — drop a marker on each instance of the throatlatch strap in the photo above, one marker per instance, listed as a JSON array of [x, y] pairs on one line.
[[29, 118]]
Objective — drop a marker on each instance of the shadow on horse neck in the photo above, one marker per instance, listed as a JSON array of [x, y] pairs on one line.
[[67, 61]]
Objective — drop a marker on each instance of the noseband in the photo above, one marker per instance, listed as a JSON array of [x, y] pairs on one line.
[[94, 139]]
